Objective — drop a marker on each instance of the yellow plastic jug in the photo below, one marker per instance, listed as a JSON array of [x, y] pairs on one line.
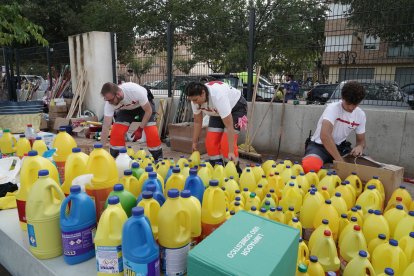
[[231, 186], [322, 173], [7, 143], [346, 194], [193, 205], [276, 214], [275, 182], [374, 225], [314, 267], [409, 270], [268, 201], [213, 210], [162, 169], [219, 173], [108, 239], [352, 243], [355, 182], [393, 217], [43, 214], [312, 178], [405, 226], [303, 182], [389, 255], [291, 197], [264, 213], [370, 199], [310, 206], [75, 166], [295, 223], [267, 165], [330, 181], [298, 168], [339, 203], [260, 192], [325, 250], [130, 152], [404, 194], [182, 161], [151, 211], [303, 252], [145, 176], [354, 213], [328, 211], [258, 172], [130, 183], [287, 174], [279, 168], [393, 202], [140, 154], [237, 206], [39, 145], [407, 245], [289, 214], [252, 200], [359, 265], [28, 175], [263, 181], [175, 181], [230, 170], [185, 171], [274, 195], [63, 143], [352, 222], [204, 174], [324, 192], [195, 159], [343, 222], [248, 180], [22, 146], [318, 233], [378, 185], [381, 239]]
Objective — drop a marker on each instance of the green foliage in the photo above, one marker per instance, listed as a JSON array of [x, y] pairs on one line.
[[141, 66], [184, 65]]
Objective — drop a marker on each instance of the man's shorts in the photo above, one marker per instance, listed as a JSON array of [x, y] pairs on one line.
[[238, 111], [128, 116], [319, 150]]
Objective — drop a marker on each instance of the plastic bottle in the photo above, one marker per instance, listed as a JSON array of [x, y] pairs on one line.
[[30, 134], [39, 145], [312, 178], [151, 211], [322, 173], [408, 271], [195, 185], [289, 214], [355, 182], [328, 211], [42, 212], [393, 217], [126, 198], [307, 213], [204, 174], [325, 250], [162, 169], [130, 183], [230, 170], [389, 255], [139, 250], [318, 233], [343, 222], [195, 159], [137, 171], [108, 239], [186, 171], [352, 243], [359, 265], [354, 213], [291, 197], [276, 183], [176, 181], [276, 214], [370, 199], [182, 161], [393, 202], [348, 228], [248, 180], [303, 182], [174, 235], [7, 143], [329, 182], [378, 185], [380, 239], [123, 161], [405, 226], [253, 200], [314, 267], [145, 176], [159, 197], [267, 165], [324, 192], [303, 252], [193, 205], [375, 225], [339, 203], [287, 173], [77, 225], [75, 166], [141, 153], [295, 223], [28, 175], [407, 245], [22, 146], [213, 210], [260, 192], [264, 213], [404, 194], [63, 143], [346, 194], [268, 202], [258, 172]]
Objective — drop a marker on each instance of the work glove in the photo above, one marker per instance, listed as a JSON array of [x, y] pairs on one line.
[[137, 134]]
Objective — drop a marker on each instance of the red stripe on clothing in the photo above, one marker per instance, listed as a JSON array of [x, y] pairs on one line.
[[347, 122]]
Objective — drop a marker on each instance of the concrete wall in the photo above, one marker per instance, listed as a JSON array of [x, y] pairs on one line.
[[91, 52], [389, 133]]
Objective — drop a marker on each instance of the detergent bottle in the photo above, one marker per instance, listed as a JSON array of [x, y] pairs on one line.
[[405, 226], [312, 178], [39, 145], [324, 192], [126, 198], [130, 183], [407, 245], [186, 171], [378, 185], [193, 205], [248, 180], [182, 161], [195, 185], [28, 175], [78, 224], [195, 159], [303, 182], [130, 152], [375, 225], [105, 175], [264, 182], [260, 192], [287, 174], [314, 267], [213, 210], [123, 161], [156, 194], [349, 227], [140, 154], [392, 203], [204, 174], [389, 255], [289, 214], [325, 250], [267, 165], [75, 166], [145, 176], [258, 172], [393, 217], [42, 212], [108, 239], [263, 213], [370, 199], [343, 222], [352, 243], [307, 213], [354, 213], [63, 143], [268, 202], [297, 168], [339, 203], [329, 182], [137, 171], [174, 234], [176, 181], [276, 183], [403, 194], [295, 223], [327, 211], [253, 200], [139, 250], [153, 180], [359, 265], [231, 187], [22, 146], [346, 194], [151, 210], [318, 233], [322, 173], [162, 169], [276, 169], [303, 252], [291, 197], [381, 239], [355, 182], [7, 143], [276, 214], [148, 161], [408, 271], [230, 170], [274, 195]]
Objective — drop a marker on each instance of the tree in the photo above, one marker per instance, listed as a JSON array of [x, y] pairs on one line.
[[185, 65], [141, 66], [15, 28]]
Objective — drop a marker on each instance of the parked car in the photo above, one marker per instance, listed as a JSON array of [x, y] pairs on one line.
[[179, 82], [379, 94], [408, 91], [320, 93]]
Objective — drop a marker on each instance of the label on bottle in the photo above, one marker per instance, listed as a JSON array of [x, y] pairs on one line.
[[174, 260], [135, 269], [109, 259], [78, 242], [32, 235]]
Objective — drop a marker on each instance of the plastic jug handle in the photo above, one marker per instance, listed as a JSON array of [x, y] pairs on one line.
[[58, 191], [63, 207]]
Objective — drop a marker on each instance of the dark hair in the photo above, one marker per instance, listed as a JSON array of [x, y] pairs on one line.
[[353, 92], [195, 88], [109, 87]]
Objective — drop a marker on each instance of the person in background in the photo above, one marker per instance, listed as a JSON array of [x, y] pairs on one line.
[[291, 87], [339, 119], [126, 102]]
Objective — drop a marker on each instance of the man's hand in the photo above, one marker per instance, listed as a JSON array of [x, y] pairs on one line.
[[137, 134], [194, 146], [231, 156], [357, 151]]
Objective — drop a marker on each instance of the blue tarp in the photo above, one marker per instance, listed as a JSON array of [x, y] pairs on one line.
[[31, 107]]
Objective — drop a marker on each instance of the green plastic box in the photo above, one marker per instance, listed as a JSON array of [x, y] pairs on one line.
[[247, 245]]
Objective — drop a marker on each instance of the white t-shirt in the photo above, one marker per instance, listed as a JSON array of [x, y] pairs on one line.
[[134, 96], [343, 122], [222, 98]]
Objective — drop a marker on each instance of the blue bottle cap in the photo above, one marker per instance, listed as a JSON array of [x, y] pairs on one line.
[[137, 211], [176, 170], [62, 128], [375, 177], [203, 165], [247, 170], [232, 212], [300, 239], [328, 201], [312, 192], [343, 183], [135, 165], [237, 198], [75, 189], [382, 236], [279, 208], [302, 174], [411, 213], [291, 184], [147, 194], [347, 182], [272, 209], [32, 153], [237, 191], [362, 253], [291, 208], [149, 169], [287, 167], [231, 177], [263, 176], [267, 202], [377, 212], [329, 173], [268, 195], [330, 273], [412, 234], [97, 146], [292, 177], [237, 203], [152, 175], [38, 138], [338, 194], [313, 259], [354, 209], [370, 211], [76, 150], [344, 216], [253, 208], [127, 172], [173, 193], [213, 183], [263, 210], [354, 219], [295, 219], [43, 173], [358, 207], [113, 200], [118, 187], [186, 165], [122, 150], [185, 193], [402, 187], [272, 190], [312, 171], [371, 187], [260, 186], [353, 173], [389, 271], [274, 166], [393, 242], [325, 221], [193, 171]]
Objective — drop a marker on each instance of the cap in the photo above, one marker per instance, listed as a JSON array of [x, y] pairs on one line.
[[302, 268], [29, 125], [232, 212], [295, 219], [328, 201], [75, 189], [354, 219], [402, 187], [137, 211], [122, 150], [279, 208], [75, 150], [22, 135], [118, 187], [176, 170], [193, 171], [287, 167], [32, 153], [263, 210], [412, 234], [272, 209], [357, 227], [252, 195], [113, 200], [325, 221], [371, 187], [291, 208], [411, 213], [291, 184], [260, 186], [152, 175], [272, 190], [237, 203], [38, 138], [149, 169], [231, 177], [393, 242], [147, 194], [135, 165], [213, 183], [6, 130], [312, 172], [327, 233], [292, 177], [97, 146], [173, 193], [267, 202], [363, 253], [151, 187], [185, 193], [344, 216], [389, 271], [338, 194], [313, 259], [43, 173], [375, 177], [62, 128], [127, 172], [382, 236], [253, 208], [377, 212]]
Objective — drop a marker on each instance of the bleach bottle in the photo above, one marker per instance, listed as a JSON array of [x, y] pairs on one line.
[[151, 210], [139, 250], [155, 193], [78, 226], [126, 198], [195, 185]]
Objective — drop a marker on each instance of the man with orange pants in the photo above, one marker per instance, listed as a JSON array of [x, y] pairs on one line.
[[126, 102], [226, 107]]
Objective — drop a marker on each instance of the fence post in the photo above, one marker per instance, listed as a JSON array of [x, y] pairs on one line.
[[113, 54], [252, 19], [16, 56], [49, 68], [170, 35]]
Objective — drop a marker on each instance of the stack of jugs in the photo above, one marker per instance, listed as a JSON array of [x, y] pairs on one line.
[[126, 198], [42, 212], [213, 210], [405, 226], [355, 213], [131, 183], [123, 161], [325, 250], [151, 208], [63, 143], [75, 166], [22, 146], [352, 243], [174, 234], [139, 250], [310, 206], [105, 175], [230, 170], [193, 205], [287, 174], [389, 255], [79, 224], [108, 239], [204, 174], [393, 217], [393, 202], [7, 144], [145, 176], [28, 175], [355, 182], [327, 211], [39, 145], [195, 185], [359, 265], [370, 199]]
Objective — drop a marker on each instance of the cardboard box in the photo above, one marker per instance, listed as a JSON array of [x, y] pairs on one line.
[[181, 137], [391, 176], [246, 245], [58, 109], [60, 122]]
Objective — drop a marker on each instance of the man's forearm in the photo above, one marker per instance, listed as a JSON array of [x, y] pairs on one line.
[[197, 131], [145, 119], [330, 146], [104, 134]]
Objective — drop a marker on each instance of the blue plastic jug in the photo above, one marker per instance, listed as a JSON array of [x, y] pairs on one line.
[[156, 194], [195, 185], [78, 226], [152, 179], [170, 171], [139, 249]]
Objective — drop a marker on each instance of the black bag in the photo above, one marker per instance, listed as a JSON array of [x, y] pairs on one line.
[[150, 96], [308, 140], [344, 148]]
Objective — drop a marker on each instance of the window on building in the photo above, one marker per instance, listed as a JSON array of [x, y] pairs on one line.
[[338, 43], [337, 11], [371, 42], [356, 74], [400, 51]]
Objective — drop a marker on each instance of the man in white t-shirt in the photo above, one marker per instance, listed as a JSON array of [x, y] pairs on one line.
[[339, 119], [129, 102], [227, 109]]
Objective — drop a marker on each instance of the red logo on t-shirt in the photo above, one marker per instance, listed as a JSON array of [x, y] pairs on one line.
[[353, 124]]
